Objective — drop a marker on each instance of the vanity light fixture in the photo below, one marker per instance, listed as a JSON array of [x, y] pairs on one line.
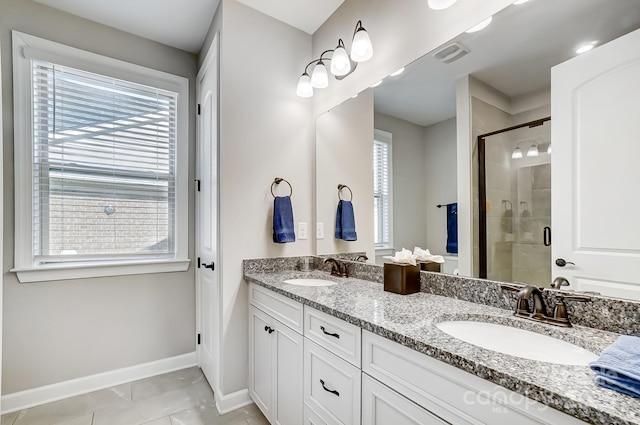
[[398, 72], [533, 151], [341, 63], [440, 4], [517, 153], [482, 25]]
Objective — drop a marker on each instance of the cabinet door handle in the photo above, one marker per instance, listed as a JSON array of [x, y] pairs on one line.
[[546, 234], [329, 333], [268, 329], [328, 390]]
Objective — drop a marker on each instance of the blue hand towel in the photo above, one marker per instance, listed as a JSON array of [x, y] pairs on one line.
[[452, 228], [618, 367], [345, 222], [283, 220]]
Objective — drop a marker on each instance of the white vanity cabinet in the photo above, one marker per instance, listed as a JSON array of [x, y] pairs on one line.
[[449, 394], [332, 375], [276, 356]]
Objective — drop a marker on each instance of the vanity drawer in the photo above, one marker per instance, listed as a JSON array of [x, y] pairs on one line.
[[284, 309], [452, 394], [311, 418], [331, 386], [341, 338]]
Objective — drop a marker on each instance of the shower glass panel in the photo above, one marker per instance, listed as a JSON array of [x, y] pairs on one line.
[[517, 213]]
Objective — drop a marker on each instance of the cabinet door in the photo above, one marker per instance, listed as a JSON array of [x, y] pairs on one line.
[[382, 406], [287, 376], [261, 360]]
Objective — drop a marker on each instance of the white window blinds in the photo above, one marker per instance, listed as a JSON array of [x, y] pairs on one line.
[[381, 192], [104, 167]]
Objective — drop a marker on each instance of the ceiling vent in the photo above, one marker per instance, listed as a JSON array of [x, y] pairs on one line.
[[451, 52]]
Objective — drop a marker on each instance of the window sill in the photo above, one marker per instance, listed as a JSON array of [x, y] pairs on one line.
[[381, 251], [91, 270]]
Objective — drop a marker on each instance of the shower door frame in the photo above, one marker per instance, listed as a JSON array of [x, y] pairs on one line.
[[482, 191]]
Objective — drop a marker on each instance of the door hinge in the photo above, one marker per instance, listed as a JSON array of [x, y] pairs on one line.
[[198, 262], [198, 109], [197, 184], [198, 339]]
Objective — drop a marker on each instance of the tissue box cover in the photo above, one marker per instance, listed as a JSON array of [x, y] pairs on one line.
[[401, 278], [430, 266]]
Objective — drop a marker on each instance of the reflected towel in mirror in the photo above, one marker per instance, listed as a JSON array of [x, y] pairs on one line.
[[452, 228], [345, 222], [283, 227]]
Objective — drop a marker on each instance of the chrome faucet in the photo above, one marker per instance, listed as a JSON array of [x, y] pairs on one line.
[[338, 268], [531, 304]]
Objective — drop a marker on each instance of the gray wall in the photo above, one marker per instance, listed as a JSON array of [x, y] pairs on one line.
[[266, 131], [56, 331]]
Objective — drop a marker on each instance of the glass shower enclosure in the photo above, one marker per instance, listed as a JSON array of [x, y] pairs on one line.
[[514, 179]]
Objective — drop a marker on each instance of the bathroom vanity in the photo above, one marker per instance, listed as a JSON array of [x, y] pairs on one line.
[[350, 353]]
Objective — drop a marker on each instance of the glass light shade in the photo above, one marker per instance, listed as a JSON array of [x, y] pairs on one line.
[[340, 63], [304, 86], [441, 4], [319, 77], [517, 153], [533, 151], [482, 25], [361, 48]]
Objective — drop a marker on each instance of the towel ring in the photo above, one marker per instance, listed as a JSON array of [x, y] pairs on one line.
[[279, 180], [344, 186]]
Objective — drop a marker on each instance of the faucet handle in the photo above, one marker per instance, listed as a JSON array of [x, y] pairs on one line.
[[510, 287], [560, 310]]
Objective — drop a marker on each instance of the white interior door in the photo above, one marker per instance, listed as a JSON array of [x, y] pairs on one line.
[[595, 111], [208, 291]]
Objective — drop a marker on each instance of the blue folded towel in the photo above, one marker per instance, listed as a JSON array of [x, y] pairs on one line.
[[346, 222], [618, 367], [283, 220], [452, 228]]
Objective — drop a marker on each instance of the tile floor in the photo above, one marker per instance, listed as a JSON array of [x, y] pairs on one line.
[[177, 398]]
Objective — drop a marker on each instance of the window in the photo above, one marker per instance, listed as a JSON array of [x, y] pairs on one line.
[[101, 152], [382, 189]]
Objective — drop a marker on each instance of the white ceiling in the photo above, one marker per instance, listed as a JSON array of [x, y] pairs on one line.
[[184, 23], [514, 55]]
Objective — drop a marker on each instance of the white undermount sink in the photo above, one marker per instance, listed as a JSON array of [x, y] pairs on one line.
[[518, 342], [310, 282]]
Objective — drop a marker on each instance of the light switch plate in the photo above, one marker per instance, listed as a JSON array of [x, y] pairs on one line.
[[302, 231], [319, 230]]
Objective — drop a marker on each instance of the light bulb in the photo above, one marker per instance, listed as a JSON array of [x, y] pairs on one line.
[[340, 63], [533, 151], [517, 153], [441, 4], [304, 86], [482, 25], [361, 48], [319, 76]]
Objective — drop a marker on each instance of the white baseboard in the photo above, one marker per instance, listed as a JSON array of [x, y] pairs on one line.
[[48, 393], [229, 402]]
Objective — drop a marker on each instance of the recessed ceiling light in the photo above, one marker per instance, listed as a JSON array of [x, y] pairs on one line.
[[482, 25], [398, 72], [376, 84], [586, 47], [441, 4]]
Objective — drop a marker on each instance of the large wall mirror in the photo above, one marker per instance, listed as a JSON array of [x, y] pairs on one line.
[[507, 69]]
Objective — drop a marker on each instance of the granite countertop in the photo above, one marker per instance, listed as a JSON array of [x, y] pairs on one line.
[[410, 320]]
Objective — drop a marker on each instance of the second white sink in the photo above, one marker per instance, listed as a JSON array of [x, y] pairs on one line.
[[310, 282], [518, 342]]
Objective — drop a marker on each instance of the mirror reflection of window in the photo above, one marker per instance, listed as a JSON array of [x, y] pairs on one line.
[[382, 189]]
